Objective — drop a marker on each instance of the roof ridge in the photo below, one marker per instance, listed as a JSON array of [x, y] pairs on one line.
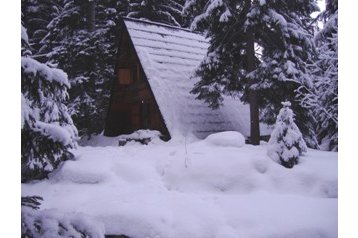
[[161, 24]]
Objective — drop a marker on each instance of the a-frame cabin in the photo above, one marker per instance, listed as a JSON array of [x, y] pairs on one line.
[[155, 68], [132, 104]]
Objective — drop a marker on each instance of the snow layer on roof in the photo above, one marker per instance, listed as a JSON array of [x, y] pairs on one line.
[[169, 56]]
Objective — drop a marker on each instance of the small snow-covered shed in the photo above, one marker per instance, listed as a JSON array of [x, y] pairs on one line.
[[155, 69]]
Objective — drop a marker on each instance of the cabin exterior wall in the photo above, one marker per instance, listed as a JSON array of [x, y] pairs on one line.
[[133, 104]]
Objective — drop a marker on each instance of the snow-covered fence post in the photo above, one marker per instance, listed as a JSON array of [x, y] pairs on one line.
[[286, 143]]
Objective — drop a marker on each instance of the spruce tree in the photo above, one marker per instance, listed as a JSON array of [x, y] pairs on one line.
[[164, 11], [47, 131], [36, 15], [47, 135], [191, 9], [321, 98], [265, 75], [286, 143], [88, 57]]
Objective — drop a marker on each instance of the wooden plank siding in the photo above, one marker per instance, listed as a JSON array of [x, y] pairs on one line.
[[133, 105]]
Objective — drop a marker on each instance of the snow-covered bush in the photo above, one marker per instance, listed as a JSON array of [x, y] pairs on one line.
[[142, 134], [226, 138], [47, 130], [286, 143], [52, 223]]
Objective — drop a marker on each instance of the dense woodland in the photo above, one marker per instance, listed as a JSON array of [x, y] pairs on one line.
[[265, 52]]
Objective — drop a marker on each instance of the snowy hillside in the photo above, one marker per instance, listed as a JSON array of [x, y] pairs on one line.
[[201, 189]]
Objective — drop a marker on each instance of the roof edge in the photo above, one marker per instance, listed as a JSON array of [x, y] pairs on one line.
[[160, 24]]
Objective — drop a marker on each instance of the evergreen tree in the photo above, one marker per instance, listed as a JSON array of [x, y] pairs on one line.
[[36, 15], [286, 143], [47, 131], [164, 11], [264, 76], [321, 98], [88, 57], [191, 9], [47, 135]]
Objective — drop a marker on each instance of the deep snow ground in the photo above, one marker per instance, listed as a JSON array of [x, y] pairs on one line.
[[201, 190]]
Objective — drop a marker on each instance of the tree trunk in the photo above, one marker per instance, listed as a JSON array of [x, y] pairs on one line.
[[91, 13], [254, 109]]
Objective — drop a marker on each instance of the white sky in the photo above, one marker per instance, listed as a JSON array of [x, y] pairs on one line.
[[322, 6]]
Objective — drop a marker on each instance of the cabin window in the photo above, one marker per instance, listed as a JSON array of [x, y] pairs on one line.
[[125, 76]]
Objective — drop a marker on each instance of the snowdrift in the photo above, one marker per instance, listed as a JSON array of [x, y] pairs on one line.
[[196, 190]]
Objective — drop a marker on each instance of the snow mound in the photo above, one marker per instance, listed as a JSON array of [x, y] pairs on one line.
[[141, 134], [80, 175], [102, 141], [196, 190], [226, 138]]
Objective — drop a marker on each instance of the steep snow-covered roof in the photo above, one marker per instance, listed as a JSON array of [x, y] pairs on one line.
[[169, 56]]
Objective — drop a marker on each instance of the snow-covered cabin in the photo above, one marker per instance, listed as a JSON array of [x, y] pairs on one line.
[[155, 69]]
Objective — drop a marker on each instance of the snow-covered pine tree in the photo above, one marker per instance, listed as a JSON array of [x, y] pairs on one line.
[[321, 98], [191, 9], [281, 32], [88, 57], [230, 57], [164, 11], [286, 143], [36, 15], [284, 31], [47, 131]]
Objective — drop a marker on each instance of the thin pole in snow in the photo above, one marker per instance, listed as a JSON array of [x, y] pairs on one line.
[[186, 154]]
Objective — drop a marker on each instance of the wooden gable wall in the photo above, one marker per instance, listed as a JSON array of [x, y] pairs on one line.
[[132, 104]]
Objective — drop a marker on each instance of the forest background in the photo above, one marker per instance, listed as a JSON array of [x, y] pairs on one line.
[[10, 104]]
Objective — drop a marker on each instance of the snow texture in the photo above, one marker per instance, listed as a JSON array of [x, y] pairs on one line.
[[226, 138], [169, 56], [321, 97], [196, 190], [24, 36], [34, 67], [56, 132], [225, 16], [52, 224], [141, 134], [211, 6], [26, 111]]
